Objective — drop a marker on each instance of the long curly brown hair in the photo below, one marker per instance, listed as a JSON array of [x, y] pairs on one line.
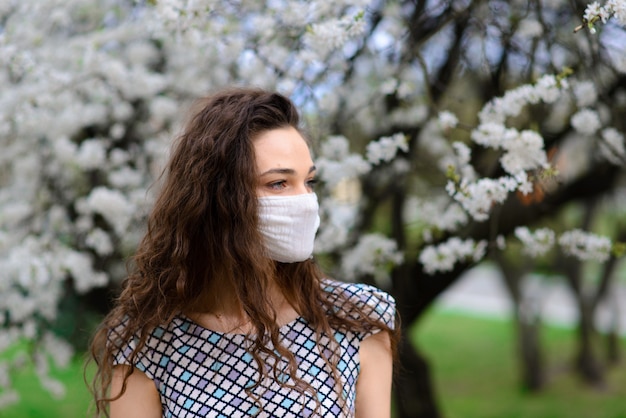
[[202, 229]]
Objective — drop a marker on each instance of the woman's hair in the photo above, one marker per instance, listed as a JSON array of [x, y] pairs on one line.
[[204, 228]]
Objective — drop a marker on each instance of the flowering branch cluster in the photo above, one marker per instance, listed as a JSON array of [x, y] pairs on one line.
[[594, 12], [576, 243], [522, 153]]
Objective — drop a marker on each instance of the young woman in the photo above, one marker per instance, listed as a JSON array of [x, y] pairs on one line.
[[225, 313]]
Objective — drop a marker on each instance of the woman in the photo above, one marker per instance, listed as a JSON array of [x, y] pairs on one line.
[[225, 313]]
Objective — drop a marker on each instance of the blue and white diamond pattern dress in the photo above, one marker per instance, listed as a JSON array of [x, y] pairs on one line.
[[204, 373]]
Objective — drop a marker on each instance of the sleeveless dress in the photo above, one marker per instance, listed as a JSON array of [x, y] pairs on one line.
[[203, 373]]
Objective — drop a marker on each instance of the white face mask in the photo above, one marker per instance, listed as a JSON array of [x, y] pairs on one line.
[[288, 225]]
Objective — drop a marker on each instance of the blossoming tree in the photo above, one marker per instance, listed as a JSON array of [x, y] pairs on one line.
[[441, 127]]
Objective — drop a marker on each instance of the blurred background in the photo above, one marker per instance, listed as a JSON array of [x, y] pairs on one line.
[[471, 158]]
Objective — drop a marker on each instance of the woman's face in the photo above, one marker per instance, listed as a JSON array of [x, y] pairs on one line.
[[284, 163]]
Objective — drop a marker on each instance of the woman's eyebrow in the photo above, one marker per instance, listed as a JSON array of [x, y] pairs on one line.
[[289, 171]]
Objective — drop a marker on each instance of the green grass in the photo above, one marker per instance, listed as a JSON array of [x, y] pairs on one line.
[[474, 371], [37, 403]]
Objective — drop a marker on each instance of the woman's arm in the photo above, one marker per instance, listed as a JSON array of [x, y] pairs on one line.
[[373, 387], [141, 399]]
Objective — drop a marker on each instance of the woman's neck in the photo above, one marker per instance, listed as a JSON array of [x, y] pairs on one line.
[[220, 309]]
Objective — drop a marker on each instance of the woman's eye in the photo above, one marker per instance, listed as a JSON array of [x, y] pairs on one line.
[[277, 185], [311, 183]]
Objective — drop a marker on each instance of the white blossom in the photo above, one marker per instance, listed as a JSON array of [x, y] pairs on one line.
[[335, 148], [5, 380], [125, 178], [142, 54], [612, 8], [612, 147], [60, 350], [440, 213], [332, 172], [586, 121], [31, 266], [29, 329], [112, 205], [546, 89], [170, 10], [462, 152], [549, 89], [524, 153], [585, 93], [524, 185], [618, 59], [405, 90], [478, 197], [338, 220], [501, 242], [162, 110], [91, 154], [100, 241], [118, 157], [374, 254], [594, 9], [388, 86], [117, 131], [331, 34], [536, 243], [8, 337], [409, 115], [433, 144], [336, 163], [386, 148], [493, 135], [459, 160], [64, 149], [326, 36], [585, 245], [54, 387], [122, 111], [51, 385], [12, 213], [618, 7], [329, 103], [80, 267], [443, 257], [447, 120], [9, 397]]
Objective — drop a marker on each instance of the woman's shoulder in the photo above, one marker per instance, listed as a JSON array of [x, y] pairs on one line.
[[177, 326], [359, 290], [374, 302], [126, 340]]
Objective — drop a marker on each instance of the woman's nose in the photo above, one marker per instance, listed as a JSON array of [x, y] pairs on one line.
[[302, 189]]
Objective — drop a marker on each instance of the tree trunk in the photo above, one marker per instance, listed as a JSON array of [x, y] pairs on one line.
[[527, 323], [613, 341], [532, 366], [605, 294], [414, 393], [613, 353], [586, 362]]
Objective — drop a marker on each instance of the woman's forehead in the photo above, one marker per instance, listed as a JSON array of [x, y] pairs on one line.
[[281, 148]]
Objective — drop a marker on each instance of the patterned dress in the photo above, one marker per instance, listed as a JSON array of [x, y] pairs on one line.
[[203, 373]]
